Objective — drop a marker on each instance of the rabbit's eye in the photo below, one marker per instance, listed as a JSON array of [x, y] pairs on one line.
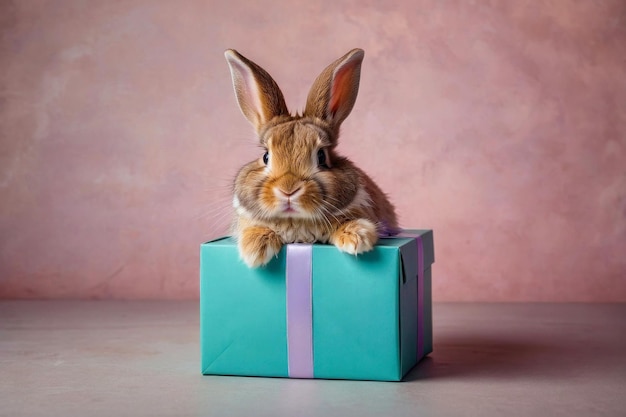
[[321, 159], [266, 157]]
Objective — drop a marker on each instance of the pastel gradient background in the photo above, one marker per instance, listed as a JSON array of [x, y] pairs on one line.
[[500, 125]]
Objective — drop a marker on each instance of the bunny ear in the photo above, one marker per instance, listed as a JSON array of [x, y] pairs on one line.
[[257, 93], [334, 92]]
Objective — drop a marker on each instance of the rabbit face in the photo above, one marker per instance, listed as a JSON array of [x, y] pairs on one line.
[[295, 177]]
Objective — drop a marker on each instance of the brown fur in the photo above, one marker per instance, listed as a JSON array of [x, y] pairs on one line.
[[292, 199]]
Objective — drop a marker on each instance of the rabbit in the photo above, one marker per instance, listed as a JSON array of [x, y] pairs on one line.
[[300, 189]]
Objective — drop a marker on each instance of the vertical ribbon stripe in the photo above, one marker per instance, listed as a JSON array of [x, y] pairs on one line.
[[299, 310]]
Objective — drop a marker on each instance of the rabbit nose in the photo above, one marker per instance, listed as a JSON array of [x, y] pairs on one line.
[[289, 193]]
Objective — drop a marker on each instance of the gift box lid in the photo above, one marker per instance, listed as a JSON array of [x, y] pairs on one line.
[[425, 234]]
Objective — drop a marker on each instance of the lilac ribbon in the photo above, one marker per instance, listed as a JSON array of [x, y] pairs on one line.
[[299, 310]]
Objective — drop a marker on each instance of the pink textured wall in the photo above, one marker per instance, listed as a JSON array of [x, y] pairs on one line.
[[501, 125]]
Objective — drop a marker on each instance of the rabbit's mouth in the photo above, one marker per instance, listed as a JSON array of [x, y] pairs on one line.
[[289, 208]]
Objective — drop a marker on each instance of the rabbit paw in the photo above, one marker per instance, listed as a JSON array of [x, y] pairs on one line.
[[258, 245], [355, 236]]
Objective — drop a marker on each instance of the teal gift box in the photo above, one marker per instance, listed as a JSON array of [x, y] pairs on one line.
[[316, 312]]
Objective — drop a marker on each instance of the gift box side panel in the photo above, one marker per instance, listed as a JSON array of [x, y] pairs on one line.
[[243, 328], [412, 314], [428, 311], [428, 241], [356, 314], [408, 306]]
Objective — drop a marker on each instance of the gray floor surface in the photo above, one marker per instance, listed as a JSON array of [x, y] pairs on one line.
[[103, 358]]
